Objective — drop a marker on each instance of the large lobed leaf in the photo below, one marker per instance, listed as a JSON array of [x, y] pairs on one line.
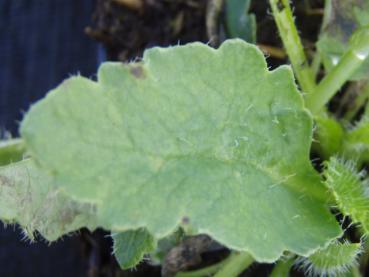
[[189, 136], [28, 197]]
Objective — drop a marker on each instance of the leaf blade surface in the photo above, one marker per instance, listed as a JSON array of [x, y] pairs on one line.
[[189, 136]]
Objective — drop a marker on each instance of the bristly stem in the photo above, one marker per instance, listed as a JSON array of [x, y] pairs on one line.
[[348, 64], [291, 40], [237, 263]]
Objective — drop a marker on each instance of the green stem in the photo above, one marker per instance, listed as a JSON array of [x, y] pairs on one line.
[[291, 40], [207, 271], [11, 151], [348, 64], [236, 264], [358, 102], [327, 14], [315, 65], [366, 92], [282, 268]]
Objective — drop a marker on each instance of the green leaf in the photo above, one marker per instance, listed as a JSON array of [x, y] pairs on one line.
[[283, 267], [350, 142], [328, 136], [165, 245], [193, 136], [343, 18], [356, 142], [11, 151], [27, 197], [336, 259], [130, 246], [349, 190], [238, 21]]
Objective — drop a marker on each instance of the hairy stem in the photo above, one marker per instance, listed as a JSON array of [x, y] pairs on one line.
[[236, 264], [291, 40]]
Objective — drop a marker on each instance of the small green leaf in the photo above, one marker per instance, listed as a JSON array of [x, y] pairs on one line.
[[328, 136], [27, 197], [165, 245], [356, 142], [283, 267], [239, 22], [130, 246], [11, 151], [343, 19], [193, 136], [349, 190], [336, 259]]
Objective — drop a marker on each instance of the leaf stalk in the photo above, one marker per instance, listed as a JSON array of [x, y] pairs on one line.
[[206, 271], [237, 263], [291, 40], [348, 64]]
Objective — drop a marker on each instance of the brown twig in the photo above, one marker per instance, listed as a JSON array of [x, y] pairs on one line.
[[272, 51], [136, 5], [213, 11]]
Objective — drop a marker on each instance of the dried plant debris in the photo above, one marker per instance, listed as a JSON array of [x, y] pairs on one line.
[[127, 27]]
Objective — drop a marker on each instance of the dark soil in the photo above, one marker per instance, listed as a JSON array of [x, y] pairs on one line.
[[126, 30]]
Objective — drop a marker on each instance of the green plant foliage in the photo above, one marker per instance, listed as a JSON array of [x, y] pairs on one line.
[[349, 190], [193, 136], [356, 142], [165, 245], [11, 151], [343, 18], [334, 260], [27, 197], [352, 143], [130, 246], [328, 136], [283, 267], [238, 21]]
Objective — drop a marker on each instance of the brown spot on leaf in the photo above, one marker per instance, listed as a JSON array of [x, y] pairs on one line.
[[185, 220], [5, 181], [137, 71]]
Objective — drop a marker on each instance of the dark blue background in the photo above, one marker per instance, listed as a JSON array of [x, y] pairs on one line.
[[41, 43]]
